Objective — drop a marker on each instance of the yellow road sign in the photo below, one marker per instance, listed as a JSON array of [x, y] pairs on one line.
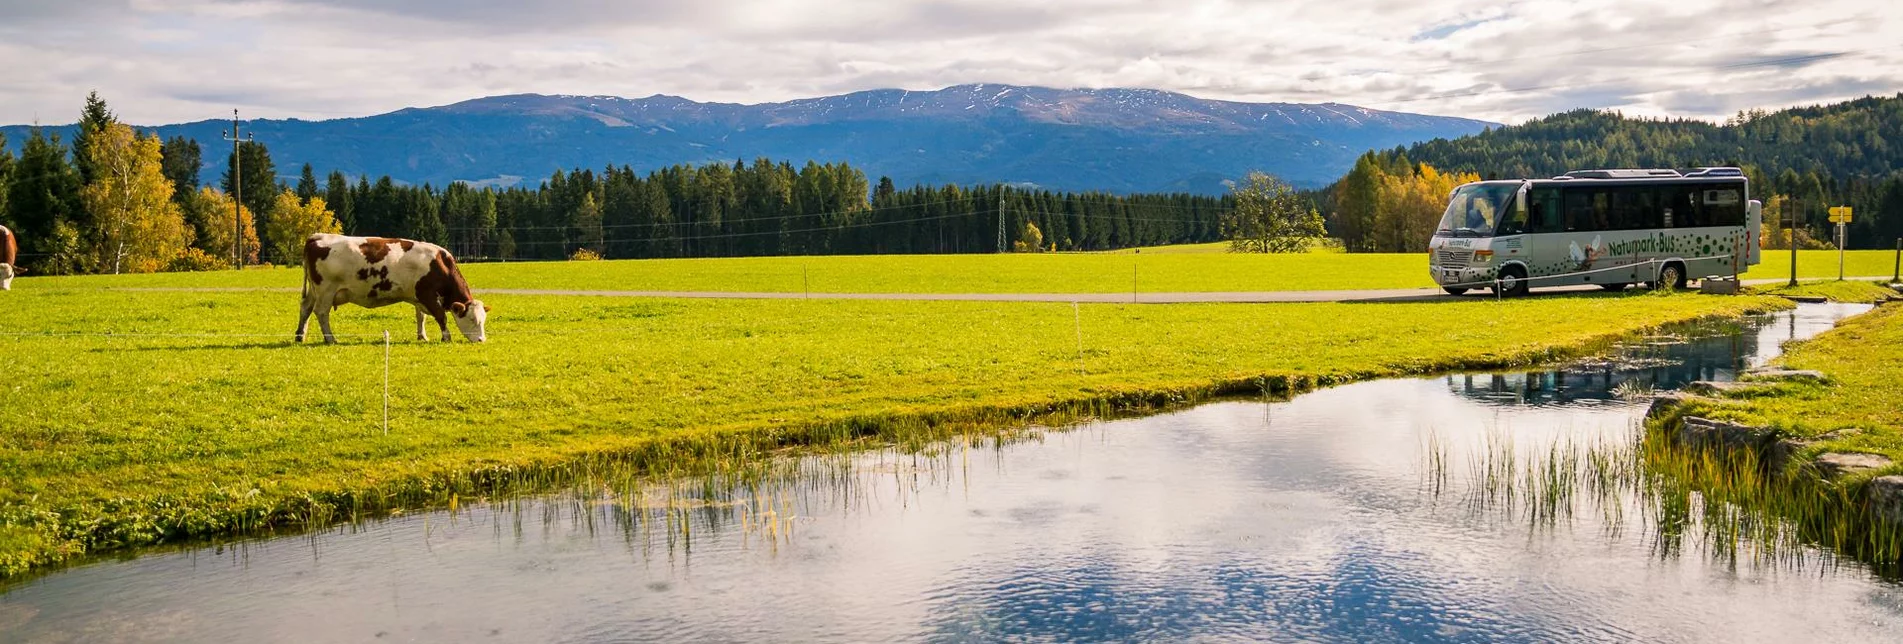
[[1840, 215]]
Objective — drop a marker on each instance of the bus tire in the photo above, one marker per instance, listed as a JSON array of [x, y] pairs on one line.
[[1454, 290], [1671, 277], [1615, 286], [1512, 281]]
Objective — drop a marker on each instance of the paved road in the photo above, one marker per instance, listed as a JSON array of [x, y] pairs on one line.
[[1365, 295]]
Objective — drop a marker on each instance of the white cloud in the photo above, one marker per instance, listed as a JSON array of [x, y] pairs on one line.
[[177, 60]]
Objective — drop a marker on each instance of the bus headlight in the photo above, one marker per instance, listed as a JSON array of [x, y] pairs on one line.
[[1483, 256]]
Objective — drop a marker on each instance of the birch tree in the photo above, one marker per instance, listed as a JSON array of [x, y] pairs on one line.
[[136, 226]]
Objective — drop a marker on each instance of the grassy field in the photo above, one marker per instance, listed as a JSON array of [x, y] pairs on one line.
[[225, 426], [1177, 268], [1863, 358]]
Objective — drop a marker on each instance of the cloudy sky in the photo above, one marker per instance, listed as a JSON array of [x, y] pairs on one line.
[[163, 61]]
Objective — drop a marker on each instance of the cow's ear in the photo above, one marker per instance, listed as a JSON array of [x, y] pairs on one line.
[[458, 307], [486, 308]]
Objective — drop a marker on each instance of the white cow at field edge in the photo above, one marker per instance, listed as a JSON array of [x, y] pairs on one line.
[[379, 271], [9, 254]]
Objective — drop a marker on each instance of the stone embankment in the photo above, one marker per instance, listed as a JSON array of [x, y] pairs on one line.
[[1781, 454]]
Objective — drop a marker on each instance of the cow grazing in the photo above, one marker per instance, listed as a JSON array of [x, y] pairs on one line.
[[379, 271], [9, 256]]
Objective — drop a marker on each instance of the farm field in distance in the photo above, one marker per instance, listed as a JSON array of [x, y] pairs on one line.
[[1192, 268], [137, 439]]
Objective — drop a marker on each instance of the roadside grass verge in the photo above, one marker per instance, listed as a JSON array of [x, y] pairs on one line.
[[129, 440], [1833, 290]]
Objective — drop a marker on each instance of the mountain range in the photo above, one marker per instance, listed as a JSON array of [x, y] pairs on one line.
[[1115, 140]]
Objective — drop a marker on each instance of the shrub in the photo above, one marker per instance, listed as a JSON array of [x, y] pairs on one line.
[[584, 255], [194, 259]]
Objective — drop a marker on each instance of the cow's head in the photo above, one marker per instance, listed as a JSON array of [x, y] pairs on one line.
[[6, 277], [470, 318]]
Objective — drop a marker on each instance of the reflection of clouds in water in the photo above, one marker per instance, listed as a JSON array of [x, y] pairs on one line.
[[1354, 591]]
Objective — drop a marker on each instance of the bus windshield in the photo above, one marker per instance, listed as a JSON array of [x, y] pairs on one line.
[[1476, 209]]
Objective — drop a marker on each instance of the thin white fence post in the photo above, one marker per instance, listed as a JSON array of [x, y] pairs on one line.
[[1077, 316], [386, 382]]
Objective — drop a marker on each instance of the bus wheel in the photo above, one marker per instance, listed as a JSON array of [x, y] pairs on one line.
[[1512, 281], [1454, 290], [1671, 277], [1614, 287]]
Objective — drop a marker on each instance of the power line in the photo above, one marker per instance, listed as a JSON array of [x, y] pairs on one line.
[[848, 226], [725, 221]]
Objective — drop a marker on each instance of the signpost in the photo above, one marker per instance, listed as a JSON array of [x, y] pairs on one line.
[[1840, 215]]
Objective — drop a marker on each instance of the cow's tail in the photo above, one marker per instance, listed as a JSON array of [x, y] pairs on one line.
[[306, 290]]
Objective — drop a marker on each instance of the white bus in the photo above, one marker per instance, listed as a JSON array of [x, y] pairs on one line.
[[1613, 228]]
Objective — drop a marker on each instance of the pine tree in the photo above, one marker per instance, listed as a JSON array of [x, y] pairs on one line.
[[259, 189], [6, 179], [306, 185], [180, 159], [337, 195], [93, 118], [43, 194], [588, 225]]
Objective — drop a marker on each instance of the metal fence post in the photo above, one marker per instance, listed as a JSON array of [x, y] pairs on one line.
[[1793, 221], [386, 382]]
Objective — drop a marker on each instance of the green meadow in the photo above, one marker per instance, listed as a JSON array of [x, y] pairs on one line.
[[133, 418], [1859, 404], [1203, 268]]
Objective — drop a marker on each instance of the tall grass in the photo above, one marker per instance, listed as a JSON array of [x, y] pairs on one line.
[[1687, 500]]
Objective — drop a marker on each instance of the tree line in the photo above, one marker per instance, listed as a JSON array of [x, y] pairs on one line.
[[1800, 161], [115, 200]]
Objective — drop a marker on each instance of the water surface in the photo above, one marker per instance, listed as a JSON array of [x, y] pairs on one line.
[[1312, 519]]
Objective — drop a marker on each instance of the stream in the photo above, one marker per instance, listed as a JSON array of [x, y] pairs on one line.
[[1317, 518]]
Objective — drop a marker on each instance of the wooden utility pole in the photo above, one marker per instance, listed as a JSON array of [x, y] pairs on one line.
[[237, 193]]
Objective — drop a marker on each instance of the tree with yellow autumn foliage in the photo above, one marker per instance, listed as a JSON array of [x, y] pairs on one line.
[[210, 212], [1392, 207], [136, 227], [294, 220]]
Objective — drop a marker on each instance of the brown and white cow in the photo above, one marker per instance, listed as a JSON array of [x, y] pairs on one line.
[[379, 271], [9, 256]]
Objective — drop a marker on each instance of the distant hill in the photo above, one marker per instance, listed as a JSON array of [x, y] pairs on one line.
[[1862, 138], [1848, 153], [1118, 140]]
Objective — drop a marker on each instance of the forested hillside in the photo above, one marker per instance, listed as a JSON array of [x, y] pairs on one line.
[[150, 213], [1802, 159], [1113, 140]]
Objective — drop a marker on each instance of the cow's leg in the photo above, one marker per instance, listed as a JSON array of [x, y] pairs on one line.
[[442, 324], [304, 306], [421, 334], [323, 303]]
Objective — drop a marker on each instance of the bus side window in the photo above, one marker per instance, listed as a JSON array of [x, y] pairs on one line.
[[1511, 221], [1542, 211], [1724, 207], [1578, 209], [1601, 211], [1693, 216]]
